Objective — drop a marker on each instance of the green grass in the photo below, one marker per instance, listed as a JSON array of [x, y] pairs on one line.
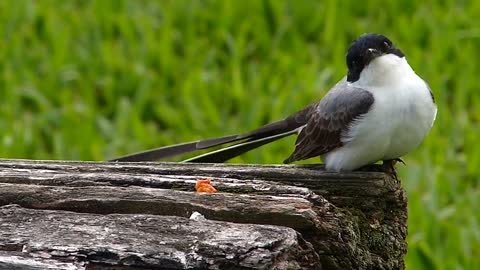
[[92, 80]]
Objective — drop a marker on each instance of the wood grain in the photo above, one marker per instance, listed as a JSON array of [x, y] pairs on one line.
[[354, 220]]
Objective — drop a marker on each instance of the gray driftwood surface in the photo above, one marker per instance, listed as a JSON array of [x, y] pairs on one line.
[[92, 215]]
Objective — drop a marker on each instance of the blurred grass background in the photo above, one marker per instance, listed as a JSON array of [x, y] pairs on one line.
[[92, 80]]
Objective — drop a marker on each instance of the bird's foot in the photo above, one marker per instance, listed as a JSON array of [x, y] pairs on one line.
[[400, 160], [388, 166]]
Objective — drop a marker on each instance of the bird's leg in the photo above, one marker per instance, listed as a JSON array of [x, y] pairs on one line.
[[400, 160], [388, 166]]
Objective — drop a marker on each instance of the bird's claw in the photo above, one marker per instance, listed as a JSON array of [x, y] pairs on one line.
[[388, 166], [400, 160]]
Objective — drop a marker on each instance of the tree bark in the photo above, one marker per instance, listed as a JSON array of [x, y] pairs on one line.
[[92, 215]]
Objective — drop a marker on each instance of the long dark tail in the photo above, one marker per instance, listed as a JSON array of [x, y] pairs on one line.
[[227, 153], [251, 140], [173, 150]]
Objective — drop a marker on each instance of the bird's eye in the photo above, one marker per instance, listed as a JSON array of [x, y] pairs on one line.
[[387, 45]]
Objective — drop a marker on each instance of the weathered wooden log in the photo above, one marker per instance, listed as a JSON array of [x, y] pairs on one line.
[[147, 240], [91, 215]]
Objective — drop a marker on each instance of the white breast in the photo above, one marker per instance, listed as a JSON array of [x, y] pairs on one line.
[[399, 119]]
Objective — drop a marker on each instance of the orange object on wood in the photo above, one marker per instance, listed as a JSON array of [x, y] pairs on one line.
[[204, 185]]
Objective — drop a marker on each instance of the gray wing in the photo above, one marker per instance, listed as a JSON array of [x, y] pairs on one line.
[[330, 119]]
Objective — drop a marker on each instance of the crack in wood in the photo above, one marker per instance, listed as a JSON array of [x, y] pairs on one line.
[[91, 215]]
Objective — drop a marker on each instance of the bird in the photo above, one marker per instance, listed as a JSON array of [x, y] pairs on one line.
[[380, 111]]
